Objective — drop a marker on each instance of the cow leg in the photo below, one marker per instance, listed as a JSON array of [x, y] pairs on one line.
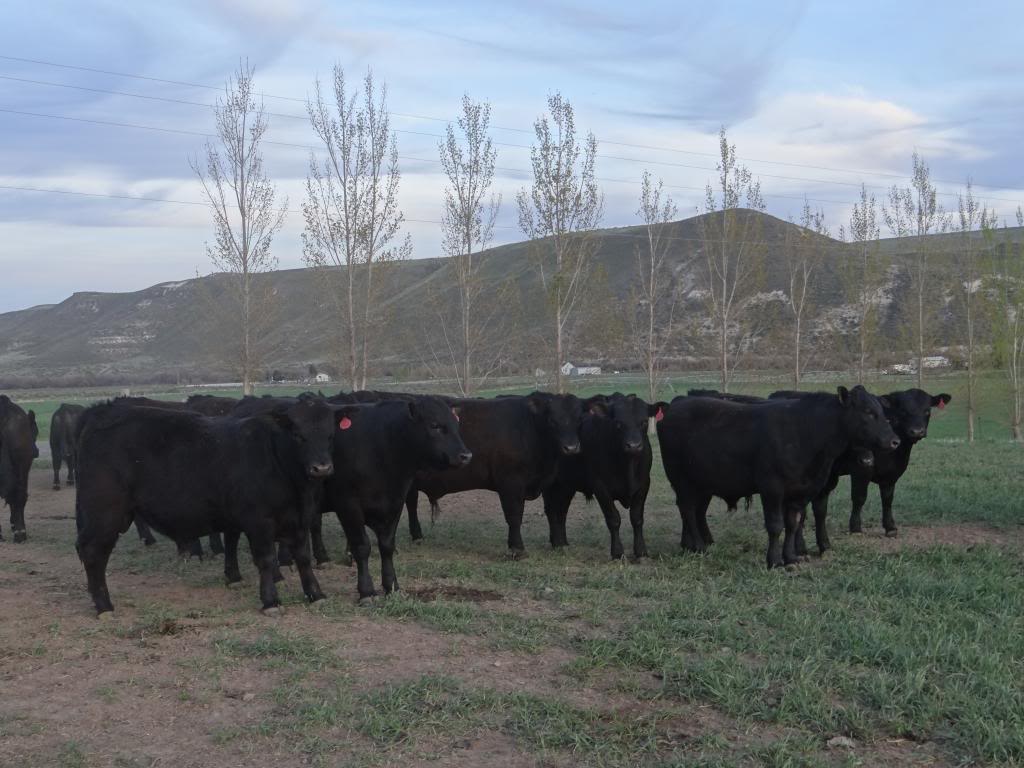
[[55, 458], [190, 548], [359, 545], [820, 507], [512, 506], [300, 550], [886, 491], [701, 513], [556, 508], [687, 502], [636, 519], [72, 470], [284, 554], [94, 551], [261, 545], [316, 531], [791, 522], [386, 544], [17, 500], [800, 543], [231, 572], [858, 495], [773, 524], [216, 545], [613, 520], [145, 534], [412, 500]]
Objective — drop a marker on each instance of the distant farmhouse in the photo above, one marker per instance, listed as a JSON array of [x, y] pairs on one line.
[[581, 370], [321, 378]]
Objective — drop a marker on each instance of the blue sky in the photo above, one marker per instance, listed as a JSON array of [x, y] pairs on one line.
[[802, 87]]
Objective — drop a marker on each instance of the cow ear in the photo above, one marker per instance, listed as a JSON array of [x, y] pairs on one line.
[[940, 401], [597, 407], [844, 395], [885, 402], [654, 408], [457, 413], [32, 417]]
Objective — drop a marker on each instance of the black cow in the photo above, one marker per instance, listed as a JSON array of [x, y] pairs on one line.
[[211, 405], [63, 447], [731, 397], [781, 449], [377, 455], [189, 475], [516, 443], [613, 466], [909, 413], [18, 435]]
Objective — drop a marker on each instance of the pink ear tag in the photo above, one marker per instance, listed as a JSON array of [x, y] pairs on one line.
[[659, 415], [942, 404], [345, 422]]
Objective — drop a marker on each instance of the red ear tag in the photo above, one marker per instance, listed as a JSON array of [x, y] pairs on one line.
[[456, 415], [345, 422], [659, 415], [942, 404]]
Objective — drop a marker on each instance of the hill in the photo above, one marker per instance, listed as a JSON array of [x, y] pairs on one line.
[[171, 332]]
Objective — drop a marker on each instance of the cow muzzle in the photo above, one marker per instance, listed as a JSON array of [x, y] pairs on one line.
[[894, 444], [320, 470], [571, 450], [463, 459], [866, 460], [634, 448], [917, 433]]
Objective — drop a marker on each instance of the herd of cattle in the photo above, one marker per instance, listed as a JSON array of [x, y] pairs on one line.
[[269, 467]]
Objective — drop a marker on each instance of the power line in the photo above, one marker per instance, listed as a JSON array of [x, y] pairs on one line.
[[138, 126], [603, 233], [521, 130]]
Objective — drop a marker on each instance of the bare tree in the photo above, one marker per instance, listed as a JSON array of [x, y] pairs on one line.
[[563, 204], [972, 217], [654, 279], [352, 216], [864, 275], [472, 341], [804, 257], [1009, 327], [914, 211], [733, 253], [245, 215]]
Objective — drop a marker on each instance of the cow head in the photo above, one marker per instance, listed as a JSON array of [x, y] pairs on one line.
[[311, 422], [438, 432], [910, 411], [864, 421], [629, 414], [561, 415]]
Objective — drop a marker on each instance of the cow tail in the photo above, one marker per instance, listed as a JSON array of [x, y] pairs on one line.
[[435, 511]]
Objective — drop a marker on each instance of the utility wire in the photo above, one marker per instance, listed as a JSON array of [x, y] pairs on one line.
[[860, 172]]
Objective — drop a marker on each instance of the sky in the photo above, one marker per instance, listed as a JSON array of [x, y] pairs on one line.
[[819, 97]]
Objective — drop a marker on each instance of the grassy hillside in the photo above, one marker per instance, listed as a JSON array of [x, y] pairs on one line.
[[175, 331]]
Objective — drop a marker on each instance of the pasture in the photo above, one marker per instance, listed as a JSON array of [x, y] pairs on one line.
[[910, 648]]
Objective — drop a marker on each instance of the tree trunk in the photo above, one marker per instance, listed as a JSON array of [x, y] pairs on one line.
[[920, 322], [559, 384], [796, 355]]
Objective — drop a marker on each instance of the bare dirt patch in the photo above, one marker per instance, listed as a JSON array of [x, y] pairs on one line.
[[454, 592]]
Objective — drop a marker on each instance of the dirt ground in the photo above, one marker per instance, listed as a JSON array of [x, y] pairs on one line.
[[145, 692]]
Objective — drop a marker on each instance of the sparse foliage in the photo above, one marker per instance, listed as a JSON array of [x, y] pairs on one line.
[[563, 205], [805, 255], [352, 214], [474, 327], [1009, 324], [972, 217], [654, 298], [245, 216], [733, 255], [863, 275], [914, 212]]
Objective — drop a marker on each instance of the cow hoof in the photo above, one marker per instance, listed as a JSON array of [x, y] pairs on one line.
[[892, 534], [234, 584], [56, 486], [791, 567], [105, 616], [20, 537], [273, 611], [417, 541], [149, 542], [367, 601], [516, 554], [319, 600]]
